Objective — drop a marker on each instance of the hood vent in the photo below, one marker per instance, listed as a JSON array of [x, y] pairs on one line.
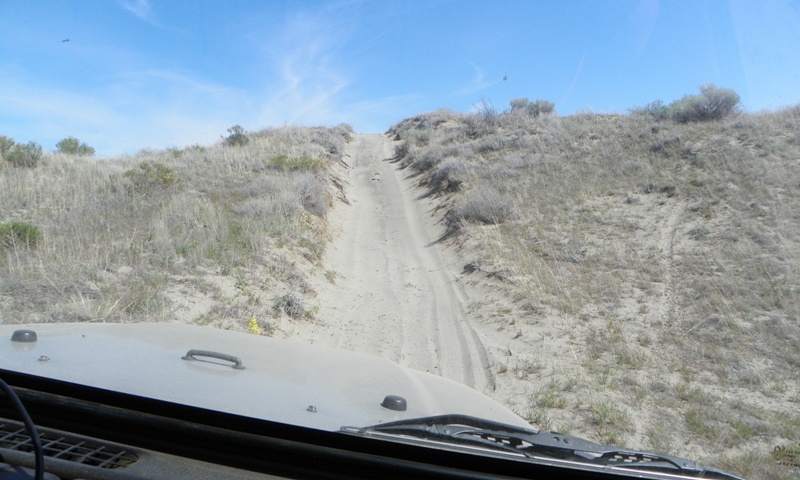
[[15, 437]]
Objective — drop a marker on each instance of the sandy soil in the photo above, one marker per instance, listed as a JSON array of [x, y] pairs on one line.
[[396, 292]]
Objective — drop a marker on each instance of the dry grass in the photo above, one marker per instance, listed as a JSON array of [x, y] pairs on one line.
[[650, 268], [212, 234], [656, 262]]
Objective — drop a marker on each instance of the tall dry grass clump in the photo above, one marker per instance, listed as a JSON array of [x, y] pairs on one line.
[[653, 259], [200, 234]]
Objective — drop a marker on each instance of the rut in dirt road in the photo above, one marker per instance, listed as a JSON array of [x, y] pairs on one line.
[[395, 294]]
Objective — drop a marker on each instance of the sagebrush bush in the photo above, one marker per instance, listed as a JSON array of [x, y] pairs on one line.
[[484, 204], [151, 175], [26, 156], [486, 111], [477, 126], [510, 166], [422, 123], [292, 305], [73, 146], [655, 109], [313, 194], [6, 144], [20, 234], [333, 140], [427, 159], [713, 103], [534, 108], [236, 137], [448, 175], [401, 149]]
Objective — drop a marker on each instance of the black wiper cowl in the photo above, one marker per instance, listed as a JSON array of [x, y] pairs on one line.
[[463, 430]]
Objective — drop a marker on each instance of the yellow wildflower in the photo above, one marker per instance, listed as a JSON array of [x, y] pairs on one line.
[[253, 327]]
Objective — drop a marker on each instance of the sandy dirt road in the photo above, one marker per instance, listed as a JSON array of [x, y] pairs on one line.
[[396, 293]]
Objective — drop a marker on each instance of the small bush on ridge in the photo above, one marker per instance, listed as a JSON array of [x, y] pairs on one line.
[[655, 109], [73, 146], [236, 137], [713, 103], [534, 108]]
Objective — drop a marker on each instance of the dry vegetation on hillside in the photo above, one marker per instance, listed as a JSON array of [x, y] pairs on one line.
[[645, 270], [206, 235], [651, 270]]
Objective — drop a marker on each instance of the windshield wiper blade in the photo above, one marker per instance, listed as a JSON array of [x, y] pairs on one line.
[[465, 430]]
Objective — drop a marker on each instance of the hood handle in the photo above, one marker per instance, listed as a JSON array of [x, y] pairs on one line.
[[237, 362]]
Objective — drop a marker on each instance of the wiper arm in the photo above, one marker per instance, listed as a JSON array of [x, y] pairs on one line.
[[472, 430], [476, 432]]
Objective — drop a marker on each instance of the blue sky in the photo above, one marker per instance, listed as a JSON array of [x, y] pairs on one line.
[[154, 74]]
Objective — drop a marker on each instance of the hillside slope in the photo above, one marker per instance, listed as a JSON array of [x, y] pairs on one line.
[[649, 267], [617, 277]]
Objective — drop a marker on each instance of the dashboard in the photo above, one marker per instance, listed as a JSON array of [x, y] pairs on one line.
[[90, 434]]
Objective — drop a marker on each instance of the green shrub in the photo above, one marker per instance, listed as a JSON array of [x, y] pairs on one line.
[[6, 144], [518, 104], [151, 175], [16, 234], [535, 108], [236, 137], [713, 103], [27, 155], [655, 109], [73, 146]]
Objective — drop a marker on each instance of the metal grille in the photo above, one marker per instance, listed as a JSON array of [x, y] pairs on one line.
[[15, 437]]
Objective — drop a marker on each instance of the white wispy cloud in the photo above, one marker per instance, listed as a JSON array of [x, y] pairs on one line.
[[478, 83], [131, 111], [306, 79], [644, 21], [177, 108], [314, 79], [573, 82], [140, 8]]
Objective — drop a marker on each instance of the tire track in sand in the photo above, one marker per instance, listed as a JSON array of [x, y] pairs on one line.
[[394, 295], [666, 309]]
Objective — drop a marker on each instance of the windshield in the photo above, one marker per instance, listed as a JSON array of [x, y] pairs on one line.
[[585, 211]]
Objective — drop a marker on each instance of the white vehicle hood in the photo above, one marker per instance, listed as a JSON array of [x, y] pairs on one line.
[[283, 381]]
